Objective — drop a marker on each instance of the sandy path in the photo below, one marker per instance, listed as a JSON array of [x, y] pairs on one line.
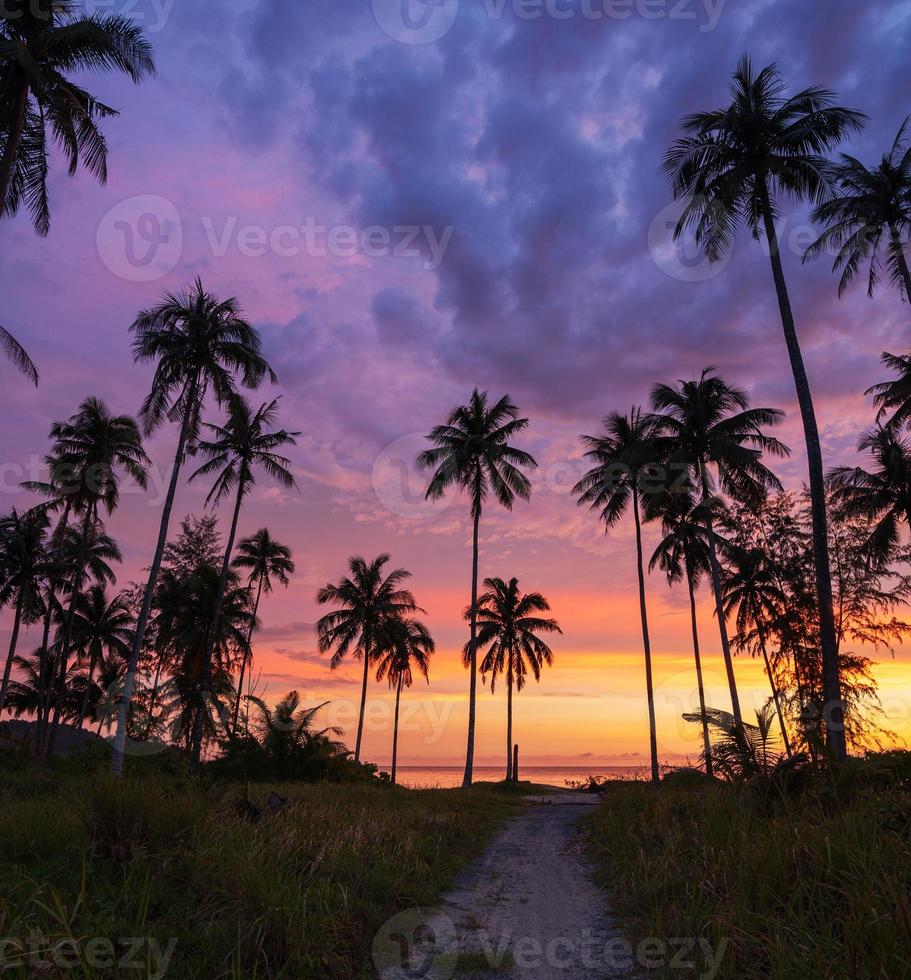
[[529, 909]]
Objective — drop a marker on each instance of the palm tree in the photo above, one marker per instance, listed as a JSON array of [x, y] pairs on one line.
[[683, 553], [366, 601], [623, 455], [867, 207], [244, 443], [472, 453], [42, 42], [37, 671], [894, 395], [101, 627], [263, 558], [404, 644], [732, 167], [198, 344], [23, 569], [882, 493], [18, 356], [750, 586], [710, 432], [509, 628]]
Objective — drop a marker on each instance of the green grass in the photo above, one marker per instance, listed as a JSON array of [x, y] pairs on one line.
[[815, 886], [299, 894]]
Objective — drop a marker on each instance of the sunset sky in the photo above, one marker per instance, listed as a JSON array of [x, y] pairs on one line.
[[404, 222]]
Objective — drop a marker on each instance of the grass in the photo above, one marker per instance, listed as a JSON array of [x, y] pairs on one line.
[[814, 886], [86, 863]]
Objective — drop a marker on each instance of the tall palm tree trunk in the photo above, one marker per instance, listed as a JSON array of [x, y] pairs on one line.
[[472, 654], [509, 773], [11, 152], [247, 654], [715, 570], [706, 743], [360, 719], [775, 696], [646, 643], [84, 708], [831, 682], [212, 632], [902, 261], [395, 730], [129, 681], [43, 680], [14, 639], [153, 695]]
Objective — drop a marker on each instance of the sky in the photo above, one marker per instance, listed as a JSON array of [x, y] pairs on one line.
[[410, 200]]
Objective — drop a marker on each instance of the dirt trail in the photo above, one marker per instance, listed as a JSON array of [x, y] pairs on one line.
[[529, 909]]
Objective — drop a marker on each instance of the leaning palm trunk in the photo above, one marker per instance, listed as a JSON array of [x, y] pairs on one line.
[[509, 772], [360, 720], [831, 683], [212, 634], [775, 695], [706, 742], [247, 655], [14, 639], [472, 654], [395, 730], [649, 686], [129, 681]]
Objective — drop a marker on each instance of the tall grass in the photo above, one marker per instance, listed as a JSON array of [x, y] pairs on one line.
[[814, 886], [299, 893]]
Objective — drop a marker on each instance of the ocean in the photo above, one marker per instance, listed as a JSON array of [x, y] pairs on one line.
[[446, 777]]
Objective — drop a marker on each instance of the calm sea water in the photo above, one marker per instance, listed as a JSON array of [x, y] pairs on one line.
[[446, 777]]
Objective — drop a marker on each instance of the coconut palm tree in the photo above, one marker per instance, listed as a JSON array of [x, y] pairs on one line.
[[199, 344], [366, 601], [882, 492], [509, 628], [264, 559], [683, 553], [246, 442], [43, 43], [36, 672], [869, 212], [710, 432], [472, 452], [751, 590], [405, 645], [623, 455], [732, 167], [23, 570], [101, 627], [17, 355], [894, 395]]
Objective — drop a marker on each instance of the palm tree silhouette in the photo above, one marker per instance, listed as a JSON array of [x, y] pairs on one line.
[[198, 344], [472, 453], [750, 586], [882, 493], [245, 442], [366, 601], [868, 207], [509, 628], [732, 167], [101, 626], [710, 432], [894, 395], [42, 42], [18, 356], [264, 559], [623, 454], [23, 569], [404, 645], [683, 553]]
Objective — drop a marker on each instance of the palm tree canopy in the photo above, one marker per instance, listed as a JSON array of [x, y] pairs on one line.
[[264, 559], [622, 455], [198, 343], [867, 205], [684, 548], [472, 452], [508, 626], [102, 625], [750, 586], [244, 442], [735, 160], [25, 563], [404, 643], [882, 492], [43, 43], [708, 425], [18, 356], [894, 395], [367, 600]]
